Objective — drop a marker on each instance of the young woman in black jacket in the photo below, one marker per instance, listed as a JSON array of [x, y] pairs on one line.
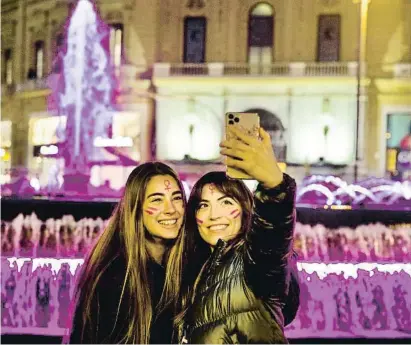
[[237, 266], [130, 281]]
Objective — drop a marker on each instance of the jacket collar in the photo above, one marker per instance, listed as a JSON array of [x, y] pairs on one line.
[[218, 251]]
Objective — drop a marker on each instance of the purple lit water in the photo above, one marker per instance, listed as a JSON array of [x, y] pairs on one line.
[[356, 285], [36, 296]]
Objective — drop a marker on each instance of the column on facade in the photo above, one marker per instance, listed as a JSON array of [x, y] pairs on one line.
[[28, 62], [20, 44], [19, 134], [49, 43], [407, 29]]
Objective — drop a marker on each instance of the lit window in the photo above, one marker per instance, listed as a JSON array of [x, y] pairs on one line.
[[39, 50], [44, 130], [116, 44]]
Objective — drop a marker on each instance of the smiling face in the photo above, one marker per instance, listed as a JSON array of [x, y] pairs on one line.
[[163, 207], [218, 216]]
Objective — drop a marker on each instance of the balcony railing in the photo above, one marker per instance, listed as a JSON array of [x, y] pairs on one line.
[[292, 69], [7, 90], [126, 73], [129, 73], [31, 85]]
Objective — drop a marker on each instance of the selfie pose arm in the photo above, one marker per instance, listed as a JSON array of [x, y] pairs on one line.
[[269, 242]]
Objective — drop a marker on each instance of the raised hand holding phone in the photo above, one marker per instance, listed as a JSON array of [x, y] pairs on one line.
[[254, 156]]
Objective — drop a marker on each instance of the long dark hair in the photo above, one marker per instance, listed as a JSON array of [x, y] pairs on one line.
[[125, 237], [196, 250]]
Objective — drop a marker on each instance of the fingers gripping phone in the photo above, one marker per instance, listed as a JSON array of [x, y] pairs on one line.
[[249, 123]]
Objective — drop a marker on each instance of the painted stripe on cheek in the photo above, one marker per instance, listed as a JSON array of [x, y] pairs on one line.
[[149, 212], [199, 221], [236, 213]]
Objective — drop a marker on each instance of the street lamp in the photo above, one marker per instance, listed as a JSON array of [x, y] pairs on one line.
[[361, 57]]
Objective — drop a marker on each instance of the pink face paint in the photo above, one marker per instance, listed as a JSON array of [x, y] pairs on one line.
[[199, 221], [151, 210], [167, 184], [236, 213]]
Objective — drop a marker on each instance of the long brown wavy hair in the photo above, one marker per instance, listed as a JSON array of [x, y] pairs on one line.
[[196, 250], [125, 237]]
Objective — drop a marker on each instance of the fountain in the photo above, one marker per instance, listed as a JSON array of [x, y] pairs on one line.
[[84, 94]]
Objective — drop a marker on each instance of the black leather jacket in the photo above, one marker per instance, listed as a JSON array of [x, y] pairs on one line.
[[241, 292]]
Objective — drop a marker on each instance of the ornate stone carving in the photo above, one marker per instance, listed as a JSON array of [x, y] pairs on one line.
[[37, 13], [114, 16], [330, 3], [129, 4], [39, 33], [7, 33]]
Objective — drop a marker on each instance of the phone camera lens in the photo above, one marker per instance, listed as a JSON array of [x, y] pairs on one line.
[[231, 116], [237, 119], [231, 122]]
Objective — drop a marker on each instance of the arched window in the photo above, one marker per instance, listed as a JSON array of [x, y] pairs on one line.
[[260, 36]]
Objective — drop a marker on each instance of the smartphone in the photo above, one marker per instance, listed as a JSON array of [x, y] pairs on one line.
[[249, 123]]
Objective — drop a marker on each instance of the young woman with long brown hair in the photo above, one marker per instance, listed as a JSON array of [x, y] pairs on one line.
[[130, 281]]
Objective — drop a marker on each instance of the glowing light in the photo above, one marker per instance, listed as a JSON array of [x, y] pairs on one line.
[[357, 192], [404, 157], [113, 142], [49, 150], [198, 125], [317, 188], [35, 183]]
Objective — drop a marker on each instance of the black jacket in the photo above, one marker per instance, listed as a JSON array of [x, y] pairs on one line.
[[105, 304], [242, 292]]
